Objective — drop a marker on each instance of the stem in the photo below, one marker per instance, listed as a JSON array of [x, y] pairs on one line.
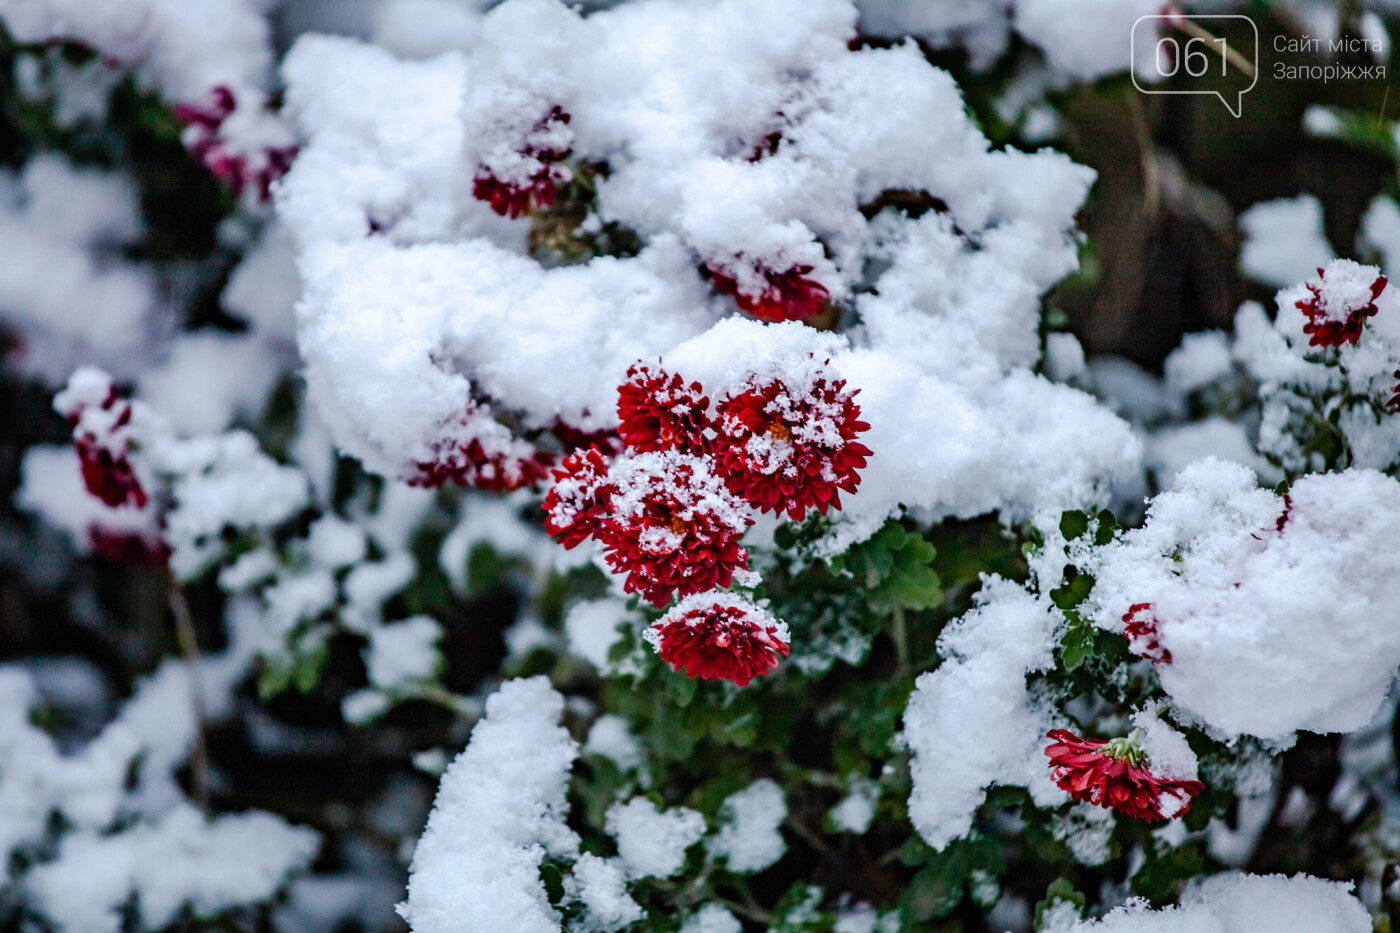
[[901, 641], [444, 698], [189, 650]]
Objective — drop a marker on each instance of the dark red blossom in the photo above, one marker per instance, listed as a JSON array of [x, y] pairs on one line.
[[1393, 406], [1340, 303], [482, 454], [101, 421], [577, 503], [236, 164], [658, 411], [673, 527], [719, 636], [1113, 773], [788, 444], [536, 185], [785, 296], [573, 439], [1140, 628]]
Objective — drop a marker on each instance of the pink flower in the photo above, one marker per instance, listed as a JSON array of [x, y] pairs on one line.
[[525, 188], [719, 636], [1114, 774], [673, 527], [1343, 296], [1141, 631], [658, 411], [785, 296], [790, 445], [577, 503]]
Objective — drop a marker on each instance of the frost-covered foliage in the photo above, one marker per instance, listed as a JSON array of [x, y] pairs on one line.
[[651, 427]]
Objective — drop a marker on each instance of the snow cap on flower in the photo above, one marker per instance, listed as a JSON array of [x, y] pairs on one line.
[[1140, 628], [787, 442], [578, 501], [788, 295], [1343, 296], [102, 435], [1116, 773], [659, 411], [674, 527], [719, 636], [243, 144], [515, 183], [481, 453]]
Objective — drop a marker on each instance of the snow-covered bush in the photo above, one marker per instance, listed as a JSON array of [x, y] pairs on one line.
[[649, 428]]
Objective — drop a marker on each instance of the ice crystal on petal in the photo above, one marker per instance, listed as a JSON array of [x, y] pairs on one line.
[[674, 527], [719, 636], [659, 411], [577, 503], [788, 444]]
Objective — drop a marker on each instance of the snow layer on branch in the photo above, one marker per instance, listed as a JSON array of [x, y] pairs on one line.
[[406, 330], [1235, 903], [652, 842], [1278, 613], [971, 723], [182, 48], [500, 809], [66, 290], [180, 859]]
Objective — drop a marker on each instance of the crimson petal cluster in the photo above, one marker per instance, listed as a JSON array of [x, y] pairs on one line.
[[792, 448], [719, 636], [659, 411], [484, 454], [1114, 774], [786, 295], [205, 138], [1140, 628], [1339, 304], [538, 184], [101, 422]]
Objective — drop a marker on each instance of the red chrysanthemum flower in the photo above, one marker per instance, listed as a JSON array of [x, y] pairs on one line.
[[674, 527], [1343, 297], [1393, 406], [520, 189], [719, 636], [785, 296], [102, 436], [1140, 628], [788, 444], [204, 138], [577, 503], [658, 411], [1113, 773], [482, 454], [573, 439]]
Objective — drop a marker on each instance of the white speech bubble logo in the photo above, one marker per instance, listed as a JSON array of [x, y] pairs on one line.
[[1212, 51]]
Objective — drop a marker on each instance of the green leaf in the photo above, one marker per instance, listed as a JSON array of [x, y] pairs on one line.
[[681, 689], [553, 880], [1077, 646], [1073, 524], [1108, 526], [1059, 890]]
